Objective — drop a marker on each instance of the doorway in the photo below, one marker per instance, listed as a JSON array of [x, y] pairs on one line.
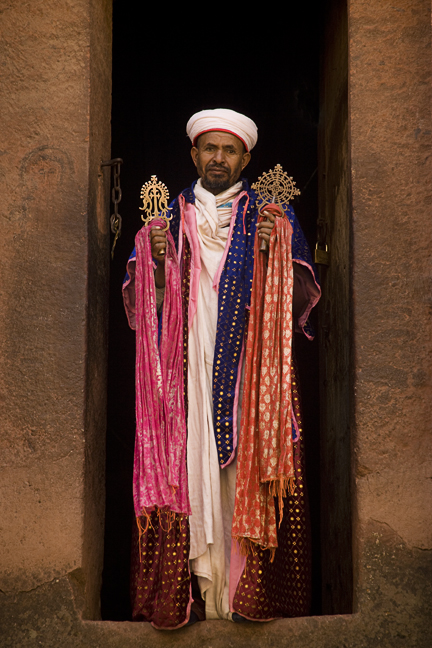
[[165, 68]]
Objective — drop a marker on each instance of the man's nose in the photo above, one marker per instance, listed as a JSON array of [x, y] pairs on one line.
[[219, 156]]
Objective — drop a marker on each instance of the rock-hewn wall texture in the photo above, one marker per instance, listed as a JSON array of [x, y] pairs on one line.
[[390, 112], [55, 118], [390, 134], [55, 106]]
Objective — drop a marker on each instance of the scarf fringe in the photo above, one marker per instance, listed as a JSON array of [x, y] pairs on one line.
[[280, 488], [146, 515], [248, 546]]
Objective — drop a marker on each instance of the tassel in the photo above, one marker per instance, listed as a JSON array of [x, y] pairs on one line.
[[278, 488], [247, 546], [141, 531], [145, 515], [170, 519]]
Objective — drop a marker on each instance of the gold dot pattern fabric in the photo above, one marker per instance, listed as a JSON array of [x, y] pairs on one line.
[[283, 588], [160, 577]]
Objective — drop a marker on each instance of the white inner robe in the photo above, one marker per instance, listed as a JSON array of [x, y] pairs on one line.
[[211, 489]]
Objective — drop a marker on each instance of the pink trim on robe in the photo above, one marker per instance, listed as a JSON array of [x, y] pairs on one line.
[[128, 290], [188, 611], [237, 565], [192, 234], [181, 230], [312, 292], [296, 427], [228, 243]]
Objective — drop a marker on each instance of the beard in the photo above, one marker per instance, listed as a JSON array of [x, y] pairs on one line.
[[216, 184]]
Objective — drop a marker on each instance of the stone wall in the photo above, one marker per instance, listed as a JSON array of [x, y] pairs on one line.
[[55, 108], [390, 134]]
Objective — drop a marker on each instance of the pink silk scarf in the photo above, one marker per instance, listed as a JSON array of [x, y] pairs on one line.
[[160, 474]]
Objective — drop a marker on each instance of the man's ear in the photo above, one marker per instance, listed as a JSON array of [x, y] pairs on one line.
[[245, 160], [194, 154]]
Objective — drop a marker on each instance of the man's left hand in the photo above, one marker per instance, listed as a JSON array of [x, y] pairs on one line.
[[265, 227]]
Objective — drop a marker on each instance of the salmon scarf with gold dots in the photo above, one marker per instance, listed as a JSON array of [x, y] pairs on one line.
[[265, 467]]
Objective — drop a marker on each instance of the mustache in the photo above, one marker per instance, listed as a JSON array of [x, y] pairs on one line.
[[216, 166]]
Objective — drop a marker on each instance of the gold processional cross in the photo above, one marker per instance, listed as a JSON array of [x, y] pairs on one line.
[[275, 187], [155, 197]]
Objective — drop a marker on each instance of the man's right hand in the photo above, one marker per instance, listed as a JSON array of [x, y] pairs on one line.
[[158, 242]]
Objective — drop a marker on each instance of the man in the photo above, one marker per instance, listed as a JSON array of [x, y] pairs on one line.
[[214, 225]]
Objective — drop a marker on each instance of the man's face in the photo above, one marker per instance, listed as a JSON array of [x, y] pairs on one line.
[[219, 158]]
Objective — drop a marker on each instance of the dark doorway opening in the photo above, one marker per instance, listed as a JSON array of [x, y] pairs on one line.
[[166, 66]]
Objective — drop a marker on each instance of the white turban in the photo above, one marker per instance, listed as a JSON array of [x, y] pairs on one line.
[[222, 119]]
